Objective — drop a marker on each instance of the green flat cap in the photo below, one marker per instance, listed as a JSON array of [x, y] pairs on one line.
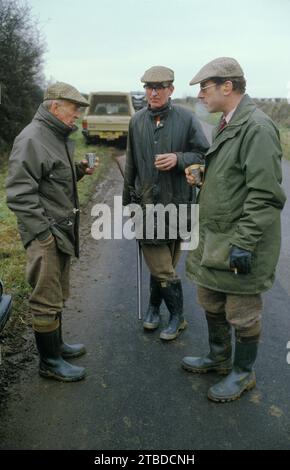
[[221, 67], [64, 91], [158, 74]]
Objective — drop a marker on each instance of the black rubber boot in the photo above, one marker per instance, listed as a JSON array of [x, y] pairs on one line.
[[219, 358], [173, 298], [242, 377], [51, 363], [152, 317], [69, 350]]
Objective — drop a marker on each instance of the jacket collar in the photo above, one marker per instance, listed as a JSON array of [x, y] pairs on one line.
[[56, 126], [244, 110]]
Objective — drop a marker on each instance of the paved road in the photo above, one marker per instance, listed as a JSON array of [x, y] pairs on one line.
[[135, 395]]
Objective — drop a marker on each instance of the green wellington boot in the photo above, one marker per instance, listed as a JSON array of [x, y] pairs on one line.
[[51, 364], [219, 358], [69, 350], [152, 317], [173, 298], [242, 377]]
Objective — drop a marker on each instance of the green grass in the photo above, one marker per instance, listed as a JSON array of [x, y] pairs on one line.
[[285, 140], [12, 253]]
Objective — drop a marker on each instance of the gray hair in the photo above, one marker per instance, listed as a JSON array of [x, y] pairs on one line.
[[48, 103]]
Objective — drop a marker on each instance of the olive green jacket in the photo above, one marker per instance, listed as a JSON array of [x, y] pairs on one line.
[[240, 204], [41, 183]]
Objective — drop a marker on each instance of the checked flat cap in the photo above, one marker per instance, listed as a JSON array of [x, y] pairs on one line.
[[158, 74], [221, 67], [64, 91]]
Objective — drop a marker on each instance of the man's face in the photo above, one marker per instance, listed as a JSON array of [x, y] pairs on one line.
[[66, 111], [212, 96], [157, 95]]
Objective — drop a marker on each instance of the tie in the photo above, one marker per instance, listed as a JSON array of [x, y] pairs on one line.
[[223, 123]]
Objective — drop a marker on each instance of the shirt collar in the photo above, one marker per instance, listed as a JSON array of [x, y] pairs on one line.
[[229, 116]]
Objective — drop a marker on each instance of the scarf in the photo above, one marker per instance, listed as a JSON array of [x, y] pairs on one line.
[[160, 112]]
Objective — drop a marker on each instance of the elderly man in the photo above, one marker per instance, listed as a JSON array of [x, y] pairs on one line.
[[163, 140], [42, 192], [240, 205]]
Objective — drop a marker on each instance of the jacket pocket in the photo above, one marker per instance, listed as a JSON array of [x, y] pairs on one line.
[[216, 252], [63, 174], [64, 241]]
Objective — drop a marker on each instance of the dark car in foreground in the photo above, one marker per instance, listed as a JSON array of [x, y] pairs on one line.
[[5, 306]]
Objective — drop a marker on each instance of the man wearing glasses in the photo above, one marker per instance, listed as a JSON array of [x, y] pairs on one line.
[[240, 206], [163, 140]]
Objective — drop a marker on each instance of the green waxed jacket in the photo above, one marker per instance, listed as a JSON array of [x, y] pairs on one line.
[[240, 204], [41, 183]]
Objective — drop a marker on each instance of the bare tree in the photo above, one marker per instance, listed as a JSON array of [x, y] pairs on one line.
[[21, 56]]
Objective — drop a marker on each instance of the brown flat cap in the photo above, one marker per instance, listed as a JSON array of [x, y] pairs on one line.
[[221, 67], [64, 91], [158, 74]]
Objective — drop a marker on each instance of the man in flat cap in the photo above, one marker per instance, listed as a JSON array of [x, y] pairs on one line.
[[163, 140], [42, 192], [239, 244]]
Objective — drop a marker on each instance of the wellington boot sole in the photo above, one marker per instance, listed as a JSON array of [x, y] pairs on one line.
[[217, 399], [170, 337], [221, 369], [51, 375], [73, 355], [150, 326]]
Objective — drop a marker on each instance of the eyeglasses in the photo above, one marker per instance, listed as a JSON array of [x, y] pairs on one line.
[[156, 87], [202, 88]]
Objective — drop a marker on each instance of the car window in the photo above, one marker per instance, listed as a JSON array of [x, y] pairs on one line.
[[100, 109], [111, 109]]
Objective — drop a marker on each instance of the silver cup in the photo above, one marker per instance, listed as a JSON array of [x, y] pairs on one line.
[[91, 159]]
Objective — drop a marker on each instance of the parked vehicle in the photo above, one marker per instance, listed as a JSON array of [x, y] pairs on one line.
[[108, 116], [5, 306]]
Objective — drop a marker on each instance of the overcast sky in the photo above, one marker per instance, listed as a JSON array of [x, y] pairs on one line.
[[102, 45]]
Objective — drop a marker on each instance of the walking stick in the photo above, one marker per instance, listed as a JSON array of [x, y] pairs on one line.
[[139, 258]]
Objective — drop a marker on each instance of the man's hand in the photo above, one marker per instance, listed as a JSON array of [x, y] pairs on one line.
[[85, 167], [189, 177], [165, 161], [240, 260]]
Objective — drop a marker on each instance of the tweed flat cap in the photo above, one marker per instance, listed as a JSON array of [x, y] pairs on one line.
[[158, 74], [221, 67], [64, 91]]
